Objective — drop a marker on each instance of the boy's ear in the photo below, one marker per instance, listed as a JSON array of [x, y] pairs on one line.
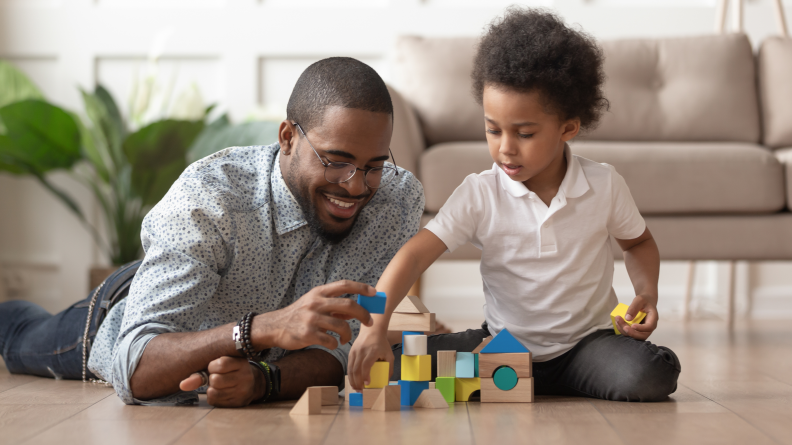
[[570, 129]]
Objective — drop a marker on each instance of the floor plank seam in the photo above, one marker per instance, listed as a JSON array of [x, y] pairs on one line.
[[470, 424], [66, 419], [191, 426], [329, 428], [736, 414], [612, 427]]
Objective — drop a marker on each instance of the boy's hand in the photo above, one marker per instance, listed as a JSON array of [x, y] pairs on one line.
[[369, 347], [643, 330]]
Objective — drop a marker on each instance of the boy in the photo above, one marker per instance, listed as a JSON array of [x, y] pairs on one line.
[[543, 219]]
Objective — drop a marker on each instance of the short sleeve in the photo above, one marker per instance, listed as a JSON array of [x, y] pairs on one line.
[[625, 221], [458, 219]]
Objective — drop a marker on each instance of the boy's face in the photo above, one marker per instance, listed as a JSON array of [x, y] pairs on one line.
[[524, 139]]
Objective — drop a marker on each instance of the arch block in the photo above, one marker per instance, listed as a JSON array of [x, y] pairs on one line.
[[463, 388]]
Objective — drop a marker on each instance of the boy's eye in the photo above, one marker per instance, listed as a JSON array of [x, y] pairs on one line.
[[491, 131], [524, 136]]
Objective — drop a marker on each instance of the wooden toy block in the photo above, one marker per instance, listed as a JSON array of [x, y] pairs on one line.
[[431, 398], [309, 403], [348, 390], [621, 311], [329, 395], [412, 322], [410, 391], [379, 375], [482, 344], [414, 345], [411, 305], [406, 333], [375, 304], [504, 377], [520, 362], [446, 363], [432, 385], [476, 365], [355, 399], [463, 388], [504, 342], [370, 396], [446, 386], [465, 363], [389, 399], [393, 383], [523, 392], [416, 368]]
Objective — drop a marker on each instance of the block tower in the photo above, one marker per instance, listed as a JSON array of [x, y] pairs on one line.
[[505, 368], [413, 318]]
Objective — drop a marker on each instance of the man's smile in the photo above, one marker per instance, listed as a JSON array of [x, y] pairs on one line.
[[342, 208]]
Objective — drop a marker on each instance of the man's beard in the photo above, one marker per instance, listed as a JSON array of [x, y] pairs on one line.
[[302, 195]]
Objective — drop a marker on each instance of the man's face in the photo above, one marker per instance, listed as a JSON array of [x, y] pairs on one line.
[[348, 135]]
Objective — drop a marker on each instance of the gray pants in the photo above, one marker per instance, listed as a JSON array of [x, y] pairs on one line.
[[603, 365]]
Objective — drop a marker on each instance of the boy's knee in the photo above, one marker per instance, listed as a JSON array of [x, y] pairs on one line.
[[647, 377]]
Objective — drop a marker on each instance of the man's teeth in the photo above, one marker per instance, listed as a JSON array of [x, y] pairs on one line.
[[342, 204]]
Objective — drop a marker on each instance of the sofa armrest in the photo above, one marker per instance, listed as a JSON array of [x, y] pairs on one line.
[[407, 143], [785, 156]]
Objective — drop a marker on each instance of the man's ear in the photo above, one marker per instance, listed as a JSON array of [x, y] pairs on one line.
[[570, 129], [286, 136]]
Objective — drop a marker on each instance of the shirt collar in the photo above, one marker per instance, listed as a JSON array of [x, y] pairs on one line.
[[286, 212], [573, 185]]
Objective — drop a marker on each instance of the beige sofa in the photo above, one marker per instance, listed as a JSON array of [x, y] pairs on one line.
[[700, 128]]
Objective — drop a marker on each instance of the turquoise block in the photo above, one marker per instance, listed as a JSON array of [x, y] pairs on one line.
[[465, 365], [475, 364], [505, 378]]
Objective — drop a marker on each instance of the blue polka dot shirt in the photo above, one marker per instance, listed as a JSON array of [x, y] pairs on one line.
[[229, 238]]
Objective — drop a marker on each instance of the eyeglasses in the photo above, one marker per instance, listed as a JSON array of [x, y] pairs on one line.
[[338, 172]]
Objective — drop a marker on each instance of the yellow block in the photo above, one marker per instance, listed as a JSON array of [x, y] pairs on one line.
[[379, 375], [416, 368], [463, 388], [621, 311]]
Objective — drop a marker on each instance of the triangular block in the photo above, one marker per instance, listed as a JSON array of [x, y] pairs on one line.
[[411, 305], [431, 398], [310, 402], [389, 399], [502, 343]]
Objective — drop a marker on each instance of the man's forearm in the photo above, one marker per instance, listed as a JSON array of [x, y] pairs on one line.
[[309, 367], [170, 358]]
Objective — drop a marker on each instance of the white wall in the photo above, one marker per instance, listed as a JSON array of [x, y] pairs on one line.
[[246, 55]]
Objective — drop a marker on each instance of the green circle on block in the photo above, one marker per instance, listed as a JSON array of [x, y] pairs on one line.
[[505, 378]]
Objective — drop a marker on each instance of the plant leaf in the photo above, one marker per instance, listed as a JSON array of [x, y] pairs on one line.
[[219, 135], [112, 110], [16, 85], [157, 154], [8, 160], [41, 135]]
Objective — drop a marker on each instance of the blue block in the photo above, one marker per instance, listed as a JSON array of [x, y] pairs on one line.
[[465, 365], [411, 390], [375, 304], [504, 342], [408, 333], [355, 399]]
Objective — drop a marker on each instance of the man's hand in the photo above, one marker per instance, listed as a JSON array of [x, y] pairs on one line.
[[306, 321], [643, 330], [371, 346], [233, 382]]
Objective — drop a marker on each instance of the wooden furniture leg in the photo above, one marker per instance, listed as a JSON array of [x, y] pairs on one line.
[[780, 20], [690, 282], [737, 16], [731, 292]]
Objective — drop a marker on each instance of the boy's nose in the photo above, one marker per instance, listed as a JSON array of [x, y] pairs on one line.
[[508, 146]]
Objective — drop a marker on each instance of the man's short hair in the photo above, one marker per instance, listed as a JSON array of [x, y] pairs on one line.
[[336, 81]]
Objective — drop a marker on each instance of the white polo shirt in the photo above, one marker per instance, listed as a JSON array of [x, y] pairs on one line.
[[547, 272]]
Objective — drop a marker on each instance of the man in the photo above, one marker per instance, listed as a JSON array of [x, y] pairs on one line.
[[245, 258]]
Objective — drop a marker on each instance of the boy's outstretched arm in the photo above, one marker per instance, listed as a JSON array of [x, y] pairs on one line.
[[404, 269], [643, 265]]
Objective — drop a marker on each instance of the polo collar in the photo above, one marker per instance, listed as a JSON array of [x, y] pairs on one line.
[[573, 185], [286, 212]]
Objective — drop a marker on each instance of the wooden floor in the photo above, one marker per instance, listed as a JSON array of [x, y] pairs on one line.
[[734, 389]]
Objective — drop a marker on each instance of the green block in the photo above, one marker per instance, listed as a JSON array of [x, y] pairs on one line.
[[446, 387], [505, 378]]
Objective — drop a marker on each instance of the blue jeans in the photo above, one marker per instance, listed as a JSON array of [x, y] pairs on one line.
[[603, 365], [33, 341]]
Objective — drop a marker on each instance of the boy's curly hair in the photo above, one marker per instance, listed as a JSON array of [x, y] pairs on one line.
[[533, 50]]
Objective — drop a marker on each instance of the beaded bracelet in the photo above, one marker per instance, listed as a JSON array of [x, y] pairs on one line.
[[244, 342]]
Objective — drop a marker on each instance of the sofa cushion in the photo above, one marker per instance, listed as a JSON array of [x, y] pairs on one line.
[[433, 74], [680, 89], [664, 178], [785, 156], [775, 88]]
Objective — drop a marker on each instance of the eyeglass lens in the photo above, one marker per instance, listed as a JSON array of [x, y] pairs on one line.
[[337, 172]]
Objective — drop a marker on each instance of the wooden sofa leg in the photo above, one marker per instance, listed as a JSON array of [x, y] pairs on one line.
[[416, 288], [731, 296], [691, 281]]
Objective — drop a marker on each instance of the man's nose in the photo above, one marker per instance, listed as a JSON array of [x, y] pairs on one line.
[[357, 185]]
